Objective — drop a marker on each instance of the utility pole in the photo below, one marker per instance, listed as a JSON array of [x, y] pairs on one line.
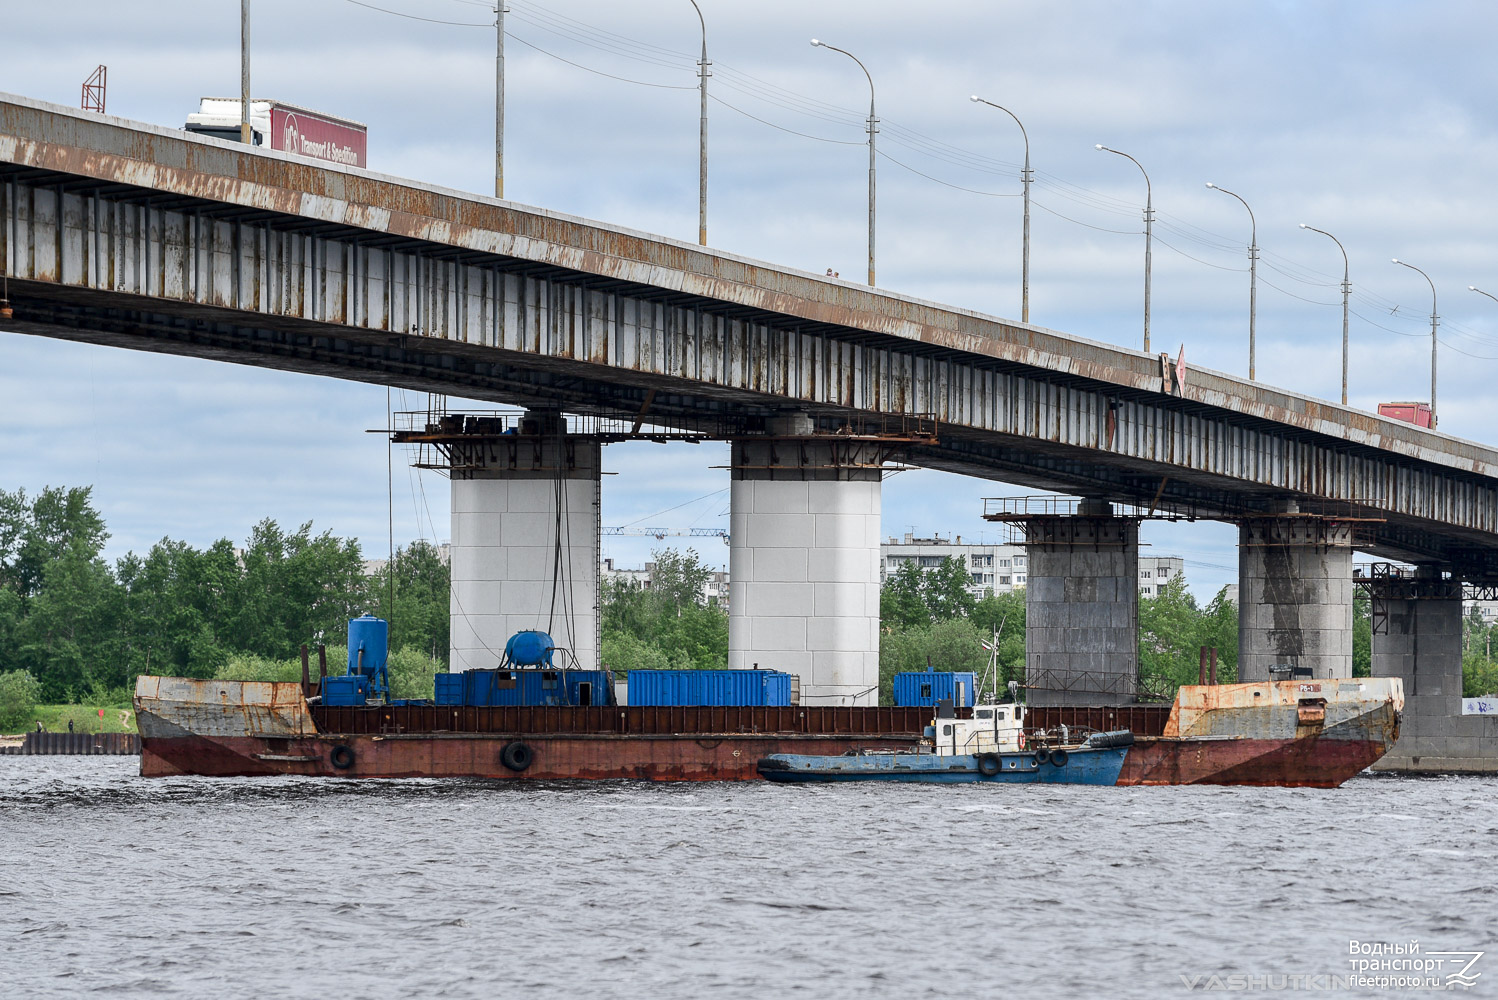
[[873, 128], [244, 73], [499, 99], [702, 64]]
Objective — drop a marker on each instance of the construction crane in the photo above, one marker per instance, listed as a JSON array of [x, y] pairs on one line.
[[662, 533]]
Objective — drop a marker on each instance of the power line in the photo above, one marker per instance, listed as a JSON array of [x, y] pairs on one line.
[[429, 20], [938, 180], [589, 69], [805, 135]]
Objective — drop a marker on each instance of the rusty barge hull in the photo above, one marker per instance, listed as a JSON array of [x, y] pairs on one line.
[[1305, 763], [701, 757], [1308, 734]]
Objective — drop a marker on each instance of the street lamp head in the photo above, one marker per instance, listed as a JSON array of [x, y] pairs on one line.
[[1099, 146], [1210, 184], [1304, 226], [1396, 260], [975, 98], [1471, 288], [815, 43]]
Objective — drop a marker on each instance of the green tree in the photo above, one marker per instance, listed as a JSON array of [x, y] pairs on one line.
[[902, 605], [412, 673], [1169, 629], [945, 591], [36, 533], [19, 692], [914, 596], [422, 614], [1218, 629], [1005, 614], [954, 644], [295, 588], [69, 637], [1362, 636], [668, 625]]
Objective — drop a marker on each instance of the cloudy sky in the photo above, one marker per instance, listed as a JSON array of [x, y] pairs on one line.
[[1370, 119]]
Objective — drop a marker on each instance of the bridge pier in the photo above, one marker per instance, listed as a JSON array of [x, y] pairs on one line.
[[1418, 638], [1082, 608], [1294, 596], [803, 562], [525, 543]]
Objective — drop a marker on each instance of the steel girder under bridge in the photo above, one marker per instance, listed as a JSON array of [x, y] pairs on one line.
[[137, 236]]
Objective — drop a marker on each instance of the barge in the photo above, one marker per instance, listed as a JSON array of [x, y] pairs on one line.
[[1315, 733]]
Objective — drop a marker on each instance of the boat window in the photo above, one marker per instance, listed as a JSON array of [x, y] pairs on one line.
[[985, 714], [946, 730], [925, 690], [585, 693], [1001, 716]]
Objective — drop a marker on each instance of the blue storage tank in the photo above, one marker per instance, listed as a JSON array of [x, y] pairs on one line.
[[345, 691], [923, 689], [537, 687], [770, 688], [368, 645], [529, 649], [449, 689]]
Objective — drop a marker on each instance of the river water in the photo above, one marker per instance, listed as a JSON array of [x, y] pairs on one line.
[[199, 887]]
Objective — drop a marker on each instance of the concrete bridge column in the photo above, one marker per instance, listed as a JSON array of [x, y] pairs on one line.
[[1294, 596], [525, 545], [1418, 638], [803, 564], [1082, 608]]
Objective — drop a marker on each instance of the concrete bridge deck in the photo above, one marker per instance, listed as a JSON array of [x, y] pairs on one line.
[[139, 236]]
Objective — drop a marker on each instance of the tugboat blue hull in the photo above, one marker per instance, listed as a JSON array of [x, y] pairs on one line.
[[1085, 766]]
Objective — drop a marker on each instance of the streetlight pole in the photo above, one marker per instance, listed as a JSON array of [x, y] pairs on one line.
[[1025, 178], [245, 135], [702, 64], [1253, 274], [1434, 321], [873, 129], [499, 98], [1346, 290], [1149, 219]]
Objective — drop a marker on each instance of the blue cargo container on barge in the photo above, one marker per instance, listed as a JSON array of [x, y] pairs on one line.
[[928, 688], [760, 688]]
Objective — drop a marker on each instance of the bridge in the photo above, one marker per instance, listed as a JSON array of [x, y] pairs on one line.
[[132, 235]]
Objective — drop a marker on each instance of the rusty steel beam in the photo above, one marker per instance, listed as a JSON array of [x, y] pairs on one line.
[[145, 237]]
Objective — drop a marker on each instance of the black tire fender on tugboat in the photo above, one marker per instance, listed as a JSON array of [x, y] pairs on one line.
[[517, 756], [1059, 757], [989, 764], [342, 757], [1041, 756]]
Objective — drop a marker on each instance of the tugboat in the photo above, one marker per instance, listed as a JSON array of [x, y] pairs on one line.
[[990, 746]]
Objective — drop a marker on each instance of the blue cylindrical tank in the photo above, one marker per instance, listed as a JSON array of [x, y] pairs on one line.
[[529, 649], [371, 637]]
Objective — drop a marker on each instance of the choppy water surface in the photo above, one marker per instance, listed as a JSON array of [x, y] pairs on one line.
[[115, 884]]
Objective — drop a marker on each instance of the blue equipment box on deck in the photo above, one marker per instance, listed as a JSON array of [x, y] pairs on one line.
[[449, 689], [923, 689], [350, 689], [485, 688], [764, 688]]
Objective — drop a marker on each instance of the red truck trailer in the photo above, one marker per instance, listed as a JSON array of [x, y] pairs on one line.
[[1414, 413], [286, 127]]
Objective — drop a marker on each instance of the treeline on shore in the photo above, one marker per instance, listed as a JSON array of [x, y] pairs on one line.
[[76, 628]]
